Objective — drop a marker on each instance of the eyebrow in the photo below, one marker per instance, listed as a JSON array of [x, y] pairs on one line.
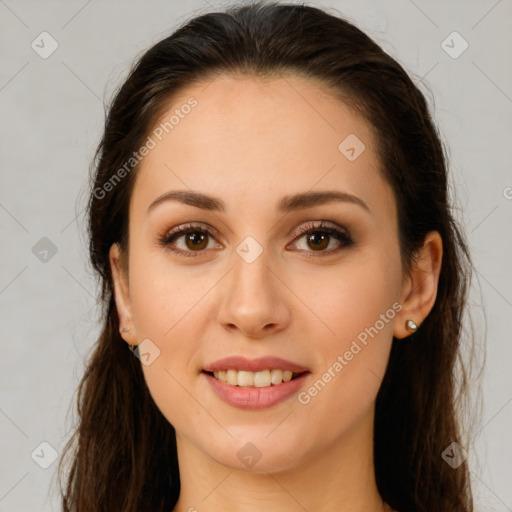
[[286, 204]]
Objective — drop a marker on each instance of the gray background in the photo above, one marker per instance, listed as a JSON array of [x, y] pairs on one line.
[[51, 119]]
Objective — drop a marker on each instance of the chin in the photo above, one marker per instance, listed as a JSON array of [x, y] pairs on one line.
[[256, 454]]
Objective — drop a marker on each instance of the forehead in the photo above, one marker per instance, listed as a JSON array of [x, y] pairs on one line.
[[254, 137]]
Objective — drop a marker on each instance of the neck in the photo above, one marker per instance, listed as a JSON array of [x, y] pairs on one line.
[[341, 478]]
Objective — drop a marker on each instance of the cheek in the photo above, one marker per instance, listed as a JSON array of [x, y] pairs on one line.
[[168, 309], [164, 297], [357, 307], [352, 297]]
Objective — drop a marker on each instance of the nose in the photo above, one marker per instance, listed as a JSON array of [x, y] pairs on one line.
[[253, 300]]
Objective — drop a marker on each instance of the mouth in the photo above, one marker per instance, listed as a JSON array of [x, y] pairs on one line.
[[260, 379]]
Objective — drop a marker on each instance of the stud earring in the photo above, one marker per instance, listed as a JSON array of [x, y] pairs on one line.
[[411, 325], [125, 329]]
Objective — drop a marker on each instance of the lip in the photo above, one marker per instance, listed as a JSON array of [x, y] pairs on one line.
[[254, 365], [253, 397]]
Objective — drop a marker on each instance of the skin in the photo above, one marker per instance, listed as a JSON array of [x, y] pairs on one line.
[[250, 141]]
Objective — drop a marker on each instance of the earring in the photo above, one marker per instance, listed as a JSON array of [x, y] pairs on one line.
[[125, 329], [411, 325]]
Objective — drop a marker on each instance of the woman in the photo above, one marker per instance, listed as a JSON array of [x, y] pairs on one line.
[[271, 225]]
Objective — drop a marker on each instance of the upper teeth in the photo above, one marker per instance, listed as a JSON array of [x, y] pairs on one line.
[[258, 379]]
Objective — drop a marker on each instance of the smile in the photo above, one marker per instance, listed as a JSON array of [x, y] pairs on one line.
[[261, 379]]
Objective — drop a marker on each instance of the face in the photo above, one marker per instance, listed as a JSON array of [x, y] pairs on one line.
[[296, 257]]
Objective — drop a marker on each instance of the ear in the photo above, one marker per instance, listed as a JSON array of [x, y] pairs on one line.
[[419, 290], [121, 294]]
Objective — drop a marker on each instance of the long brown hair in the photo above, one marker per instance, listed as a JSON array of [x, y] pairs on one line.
[[123, 451]]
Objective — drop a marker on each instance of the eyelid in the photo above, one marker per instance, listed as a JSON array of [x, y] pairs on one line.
[[340, 233], [190, 226], [317, 225]]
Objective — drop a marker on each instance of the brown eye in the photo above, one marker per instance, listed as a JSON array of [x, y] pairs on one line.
[[322, 239], [318, 240], [189, 240], [196, 241]]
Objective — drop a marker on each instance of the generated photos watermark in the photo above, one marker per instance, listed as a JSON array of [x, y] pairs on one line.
[[151, 142], [343, 360]]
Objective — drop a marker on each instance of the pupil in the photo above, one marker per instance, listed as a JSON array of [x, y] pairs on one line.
[[196, 239], [321, 239]]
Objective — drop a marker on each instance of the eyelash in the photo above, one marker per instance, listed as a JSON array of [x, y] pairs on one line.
[[342, 235]]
